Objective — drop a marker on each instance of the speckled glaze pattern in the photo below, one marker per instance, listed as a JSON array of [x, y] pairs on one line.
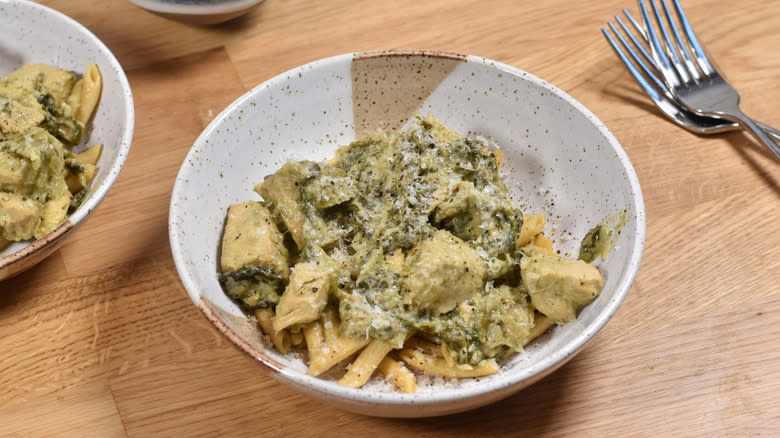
[[200, 12], [33, 33], [558, 158]]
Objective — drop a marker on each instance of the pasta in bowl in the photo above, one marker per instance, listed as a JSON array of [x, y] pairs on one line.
[[66, 123], [467, 309], [43, 114], [405, 242]]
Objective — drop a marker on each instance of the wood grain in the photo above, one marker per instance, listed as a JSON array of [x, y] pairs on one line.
[[101, 339]]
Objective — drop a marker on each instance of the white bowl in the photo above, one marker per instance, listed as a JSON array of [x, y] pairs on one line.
[[558, 158], [200, 12], [30, 32]]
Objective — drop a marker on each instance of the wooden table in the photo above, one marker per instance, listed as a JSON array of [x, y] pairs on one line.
[[101, 339]]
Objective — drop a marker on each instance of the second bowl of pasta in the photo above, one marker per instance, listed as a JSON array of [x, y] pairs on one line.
[[65, 130], [407, 233]]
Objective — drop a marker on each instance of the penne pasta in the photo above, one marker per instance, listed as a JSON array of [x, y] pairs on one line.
[[427, 357], [86, 162], [334, 351], [397, 373], [281, 340], [312, 334], [446, 354], [74, 185], [91, 155], [326, 346], [499, 154], [366, 362], [297, 339], [91, 87], [330, 323], [532, 225], [81, 181], [540, 241]]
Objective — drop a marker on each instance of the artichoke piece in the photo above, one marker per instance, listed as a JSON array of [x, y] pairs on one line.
[[282, 189], [20, 217], [559, 287], [304, 298], [443, 271], [254, 258]]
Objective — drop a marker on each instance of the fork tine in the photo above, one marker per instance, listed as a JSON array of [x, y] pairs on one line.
[[701, 57], [685, 55], [662, 62], [638, 45], [671, 50], [639, 29], [649, 89], [662, 100]]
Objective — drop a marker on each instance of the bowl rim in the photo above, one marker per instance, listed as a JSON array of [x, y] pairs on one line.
[[171, 7], [56, 236], [496, 385]]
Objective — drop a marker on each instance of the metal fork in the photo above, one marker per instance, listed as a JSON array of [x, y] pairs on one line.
[[648, 79], [689, 74]]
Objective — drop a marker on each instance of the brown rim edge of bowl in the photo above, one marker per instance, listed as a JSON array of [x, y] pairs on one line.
[[35, 252], [208, 309], [408, 52]]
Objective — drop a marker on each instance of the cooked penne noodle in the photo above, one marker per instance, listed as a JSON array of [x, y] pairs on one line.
[[344, 363], [74, 185], [435, 365], [312, 333], [366, 362], [401, 376], [330, 323], [91, 87], [296, 338], [532, 225], [427, 357], [446, 354], [91, 155], [334, 351], [86, 161], [543, 242], [89, 173], [499, 154], [281, 340]]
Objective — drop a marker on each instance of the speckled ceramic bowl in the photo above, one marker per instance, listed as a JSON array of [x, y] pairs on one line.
[[557, 158], [33, 33], [200, 12]]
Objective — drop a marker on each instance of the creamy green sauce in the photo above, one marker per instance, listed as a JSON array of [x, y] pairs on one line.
[[601, 239], [417, 233]]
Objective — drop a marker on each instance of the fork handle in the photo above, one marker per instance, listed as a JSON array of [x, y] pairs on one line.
[[768, 129], [759, 133]]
